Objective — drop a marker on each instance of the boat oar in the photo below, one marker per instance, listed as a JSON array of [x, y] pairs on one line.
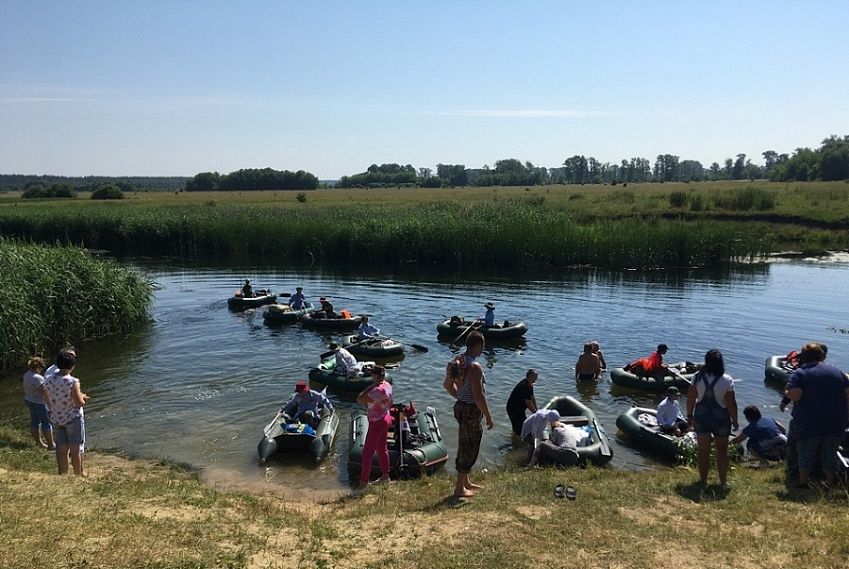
[[678, 374], [464, 332], [417, 347]]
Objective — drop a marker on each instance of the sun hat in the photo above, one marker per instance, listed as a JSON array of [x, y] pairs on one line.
[[489, 305]]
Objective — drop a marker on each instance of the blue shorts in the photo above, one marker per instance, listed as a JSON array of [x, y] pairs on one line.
[[71, 434], [38, 416], [711, 421], [815, 450]]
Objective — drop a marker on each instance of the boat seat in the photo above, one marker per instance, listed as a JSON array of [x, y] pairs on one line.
[[576, 420]]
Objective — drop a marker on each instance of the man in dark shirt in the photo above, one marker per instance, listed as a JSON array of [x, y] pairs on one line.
[[820, 395], [521, 399]]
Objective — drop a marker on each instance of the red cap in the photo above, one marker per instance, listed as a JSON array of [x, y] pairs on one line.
[[301, 386]]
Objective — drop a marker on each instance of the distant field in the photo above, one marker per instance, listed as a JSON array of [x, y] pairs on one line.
[[639, 225]]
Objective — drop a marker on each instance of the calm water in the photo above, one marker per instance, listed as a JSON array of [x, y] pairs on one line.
[[198, 384]]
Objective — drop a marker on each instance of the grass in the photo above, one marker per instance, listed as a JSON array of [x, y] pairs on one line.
[[639, 226], [50, 296], [144, 514]]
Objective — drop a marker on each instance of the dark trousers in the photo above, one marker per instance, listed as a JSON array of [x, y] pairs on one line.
[[470, 434]]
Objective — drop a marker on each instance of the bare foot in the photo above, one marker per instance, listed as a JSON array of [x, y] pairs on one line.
[[471, 486], [464, 493]]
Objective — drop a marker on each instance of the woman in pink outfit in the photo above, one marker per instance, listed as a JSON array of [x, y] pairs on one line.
[[378, 398]]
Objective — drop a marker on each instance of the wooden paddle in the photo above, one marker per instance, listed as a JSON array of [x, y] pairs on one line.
[[602, 438], [464, 332], [678, 374]]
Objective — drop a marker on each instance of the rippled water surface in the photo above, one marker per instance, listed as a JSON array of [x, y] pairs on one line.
[[199, 382]]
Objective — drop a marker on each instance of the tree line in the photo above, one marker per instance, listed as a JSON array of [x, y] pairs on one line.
[[19, 182], [252, 179], [829, 162]]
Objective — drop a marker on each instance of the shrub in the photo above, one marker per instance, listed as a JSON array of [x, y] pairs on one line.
[[107, 192], [301, 197], [697, 202]]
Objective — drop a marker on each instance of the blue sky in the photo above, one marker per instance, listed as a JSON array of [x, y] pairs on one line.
[[180, 87]]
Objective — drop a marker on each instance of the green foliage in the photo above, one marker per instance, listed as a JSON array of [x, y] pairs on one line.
[[58, 190], [252, 179], [107, 192], [745, 199], [53, 295], [678, 199], [383, 175], [301, 197]]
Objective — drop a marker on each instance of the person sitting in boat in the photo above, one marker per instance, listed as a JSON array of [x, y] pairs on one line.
[[489, 317], [306, 406], [326, 309], [297, 301], [588, 366], [561, 447], [767, 437], [366, 330], [522, 399], [597, 351], [346, 363], [669, 417], [652, 365], [247, 290]]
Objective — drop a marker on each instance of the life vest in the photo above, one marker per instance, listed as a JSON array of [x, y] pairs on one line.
[[346, 313], [792, 359]]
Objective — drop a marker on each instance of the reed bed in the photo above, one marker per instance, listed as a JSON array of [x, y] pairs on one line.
[[501, 232], [53, 295]]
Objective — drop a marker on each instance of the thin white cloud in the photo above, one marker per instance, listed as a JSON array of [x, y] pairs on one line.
[[522, 113]]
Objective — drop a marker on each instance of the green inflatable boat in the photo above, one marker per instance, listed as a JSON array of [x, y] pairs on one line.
[[326, 374], [317, 321], [285, 314], [640, 425], [685, 372], [453, 327], [573, 412], [413, 451], [280, 437], [380, 348], [239, 302]]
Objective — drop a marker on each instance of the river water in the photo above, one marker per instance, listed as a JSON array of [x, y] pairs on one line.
[[199, 382]]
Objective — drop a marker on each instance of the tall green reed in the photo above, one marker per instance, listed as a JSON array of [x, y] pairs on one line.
[[53, 295]]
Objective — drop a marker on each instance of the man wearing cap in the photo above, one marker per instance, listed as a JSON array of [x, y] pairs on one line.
[[247, 290], [489, 317], [820, 396], [669, 417], [297, 300], [305, 405]]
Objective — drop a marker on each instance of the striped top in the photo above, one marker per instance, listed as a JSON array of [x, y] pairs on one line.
[[464, 392]]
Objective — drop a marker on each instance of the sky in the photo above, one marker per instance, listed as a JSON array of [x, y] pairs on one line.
[[177, 87]]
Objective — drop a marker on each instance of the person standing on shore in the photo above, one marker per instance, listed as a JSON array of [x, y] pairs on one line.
[[66, 400], [34, 399], [522, 399], [820, 396], [466, 382], [712, 412], [377, 398]]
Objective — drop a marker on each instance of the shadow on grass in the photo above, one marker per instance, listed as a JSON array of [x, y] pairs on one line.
[[698, 492], [814, 493]]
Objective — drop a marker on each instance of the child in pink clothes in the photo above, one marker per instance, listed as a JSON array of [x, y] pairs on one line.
[[378, 398]]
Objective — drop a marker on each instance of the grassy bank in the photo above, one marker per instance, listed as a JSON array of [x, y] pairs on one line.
[[639, 226], [140, 514], [53, 295]]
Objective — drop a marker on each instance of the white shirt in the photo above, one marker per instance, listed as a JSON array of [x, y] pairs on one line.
[[668, 412], [345, 362], [566, 436], [723, 386]]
